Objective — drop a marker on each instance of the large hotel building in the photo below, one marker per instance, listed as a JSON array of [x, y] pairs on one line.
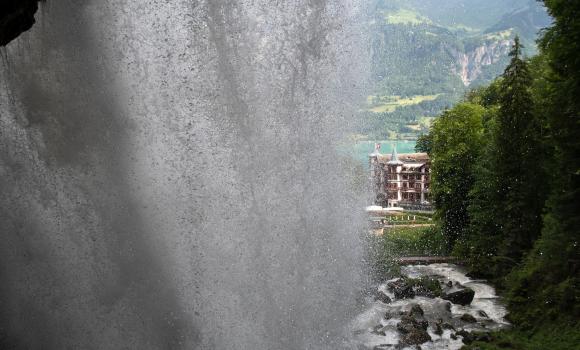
[[401, 180]]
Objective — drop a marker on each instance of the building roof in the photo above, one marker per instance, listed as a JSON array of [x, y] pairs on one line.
[[377, 151], [394, 157], [405, 158], [414, 165]]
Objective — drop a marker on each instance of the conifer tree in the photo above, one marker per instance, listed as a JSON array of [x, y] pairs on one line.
[[551, 274], [517, 166]]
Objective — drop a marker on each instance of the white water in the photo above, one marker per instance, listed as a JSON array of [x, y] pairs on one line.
[[170, 178], [485, 300]]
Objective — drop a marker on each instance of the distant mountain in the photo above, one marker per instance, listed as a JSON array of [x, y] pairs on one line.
[[471, 14], [427, 53], [526, 22]]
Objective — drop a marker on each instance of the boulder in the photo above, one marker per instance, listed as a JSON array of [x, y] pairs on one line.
[[468, 318], [413, 330], [401, 289], [460, 297], [482, 337], [448, 306], [416, 311], [423, 324], [469, 338], [438, 330], [465, 335], [422, 291], [407, 324], [415, 337], [446, 325], [427, 286], [382, 297]]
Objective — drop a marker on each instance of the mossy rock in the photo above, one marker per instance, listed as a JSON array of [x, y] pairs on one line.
[[425, 286]]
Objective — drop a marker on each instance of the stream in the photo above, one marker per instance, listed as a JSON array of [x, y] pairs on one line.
[[385, 323]]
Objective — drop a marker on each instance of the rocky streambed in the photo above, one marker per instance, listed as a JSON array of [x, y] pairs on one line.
[[429, 307]]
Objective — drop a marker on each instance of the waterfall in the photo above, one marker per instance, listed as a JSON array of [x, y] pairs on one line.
[[170, 175]]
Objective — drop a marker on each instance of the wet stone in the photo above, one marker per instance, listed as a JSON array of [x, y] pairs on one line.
[[416, 336], [416, 310], [447, 326], [468, 318], [407, 324], [417, 319], [401, 289], [466, 336], [382, 297], [461, 297], [448, 307], [437, 329]]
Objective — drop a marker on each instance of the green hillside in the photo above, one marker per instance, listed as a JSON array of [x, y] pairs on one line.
[[476, 14], [427, 53]]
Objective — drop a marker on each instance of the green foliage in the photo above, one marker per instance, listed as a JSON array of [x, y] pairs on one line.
[[486, 96], [479, 245], [456, 140], [422, 214], [417, 47], [517, 163], [413, 241], [474, 14], [550, 274], [557, 336], [429, 283], [523, 213], [402, 241], [424, 143]]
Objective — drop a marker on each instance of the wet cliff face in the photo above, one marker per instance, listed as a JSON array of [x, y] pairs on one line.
[[469, 65], [16, 16]]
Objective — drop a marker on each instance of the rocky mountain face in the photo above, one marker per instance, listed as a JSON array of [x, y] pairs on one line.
[[470, 65], [16, 16], [433, 51]]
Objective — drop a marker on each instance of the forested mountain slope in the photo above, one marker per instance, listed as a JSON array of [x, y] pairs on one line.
[[427, 53]]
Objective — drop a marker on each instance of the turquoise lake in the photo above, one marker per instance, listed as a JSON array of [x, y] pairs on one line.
[[362, 149]]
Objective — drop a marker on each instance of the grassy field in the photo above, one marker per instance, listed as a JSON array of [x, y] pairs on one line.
[[504, 34], [404, 16], [402, 241], [388, 104], [413, 241]]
